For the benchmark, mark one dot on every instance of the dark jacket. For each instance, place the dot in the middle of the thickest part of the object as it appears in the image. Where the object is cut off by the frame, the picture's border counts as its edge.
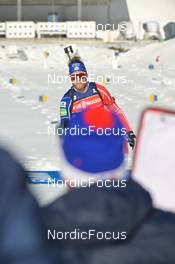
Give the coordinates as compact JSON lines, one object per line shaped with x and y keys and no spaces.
{"x":22,"y":237}
{"x":150,"y":232}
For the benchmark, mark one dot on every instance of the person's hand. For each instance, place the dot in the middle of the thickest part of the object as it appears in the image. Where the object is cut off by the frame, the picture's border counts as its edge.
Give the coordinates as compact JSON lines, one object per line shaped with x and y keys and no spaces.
{"x":131,"y":139}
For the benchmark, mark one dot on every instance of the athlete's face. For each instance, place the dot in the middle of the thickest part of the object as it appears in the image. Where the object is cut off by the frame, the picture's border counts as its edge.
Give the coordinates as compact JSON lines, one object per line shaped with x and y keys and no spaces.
{"x":79,"y":81}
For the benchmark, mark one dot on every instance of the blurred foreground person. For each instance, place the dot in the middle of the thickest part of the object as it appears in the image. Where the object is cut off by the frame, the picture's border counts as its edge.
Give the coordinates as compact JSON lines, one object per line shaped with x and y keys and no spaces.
{"x":110,"y":221}
{"x":22,"y":240}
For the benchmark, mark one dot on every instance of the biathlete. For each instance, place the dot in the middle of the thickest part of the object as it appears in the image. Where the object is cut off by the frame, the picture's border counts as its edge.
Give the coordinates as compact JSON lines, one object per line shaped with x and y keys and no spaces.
{"x":85,"y":94}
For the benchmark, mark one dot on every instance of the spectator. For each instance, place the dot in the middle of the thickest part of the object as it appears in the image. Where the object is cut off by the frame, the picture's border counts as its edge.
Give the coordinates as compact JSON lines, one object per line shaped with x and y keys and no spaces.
{"x":96,"y":225}
{"x":22,"y":236}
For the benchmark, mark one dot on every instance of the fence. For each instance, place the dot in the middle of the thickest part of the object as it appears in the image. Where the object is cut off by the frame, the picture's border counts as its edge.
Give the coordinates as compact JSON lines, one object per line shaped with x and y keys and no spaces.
{"x":20,"y":29}
{"x":83,"y":29}
{"x":2,"y":29}
{"x":77,"y":30}
{"x":51,"y":28}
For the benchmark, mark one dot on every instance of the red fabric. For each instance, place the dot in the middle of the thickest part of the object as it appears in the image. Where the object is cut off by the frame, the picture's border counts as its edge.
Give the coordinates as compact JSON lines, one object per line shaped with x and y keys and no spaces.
{"x":91,"y":117}
{"x":110,"y":103}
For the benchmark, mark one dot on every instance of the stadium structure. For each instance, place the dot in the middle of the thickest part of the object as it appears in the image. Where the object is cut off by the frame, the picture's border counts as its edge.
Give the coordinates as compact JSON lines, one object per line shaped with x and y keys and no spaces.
{"x":143,"y":19}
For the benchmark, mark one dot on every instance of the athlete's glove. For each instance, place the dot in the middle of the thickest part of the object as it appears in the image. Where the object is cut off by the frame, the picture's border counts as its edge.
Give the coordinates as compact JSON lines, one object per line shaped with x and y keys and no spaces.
{"x":131,"y":139}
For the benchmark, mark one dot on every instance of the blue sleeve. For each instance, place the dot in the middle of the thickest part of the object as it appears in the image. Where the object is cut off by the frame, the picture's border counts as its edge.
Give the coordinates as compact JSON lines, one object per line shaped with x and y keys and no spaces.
{"x":65,"y":111}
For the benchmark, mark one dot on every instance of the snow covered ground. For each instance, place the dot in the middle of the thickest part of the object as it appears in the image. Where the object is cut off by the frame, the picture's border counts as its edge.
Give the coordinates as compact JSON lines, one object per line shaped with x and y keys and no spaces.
{"x":25,"y":120}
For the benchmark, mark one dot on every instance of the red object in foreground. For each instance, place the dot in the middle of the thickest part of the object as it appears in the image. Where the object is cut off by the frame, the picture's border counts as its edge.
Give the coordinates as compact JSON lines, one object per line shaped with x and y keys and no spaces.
{"x":99,"y":117}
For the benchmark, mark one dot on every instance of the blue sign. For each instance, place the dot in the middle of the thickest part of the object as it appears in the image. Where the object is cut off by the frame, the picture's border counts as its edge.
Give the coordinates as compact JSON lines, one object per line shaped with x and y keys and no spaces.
{"x":43,"y":177}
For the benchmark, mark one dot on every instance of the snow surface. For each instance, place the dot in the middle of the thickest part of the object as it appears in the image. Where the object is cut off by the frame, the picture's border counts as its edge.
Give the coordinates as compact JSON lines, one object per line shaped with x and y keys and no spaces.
{"x":25,"y":121}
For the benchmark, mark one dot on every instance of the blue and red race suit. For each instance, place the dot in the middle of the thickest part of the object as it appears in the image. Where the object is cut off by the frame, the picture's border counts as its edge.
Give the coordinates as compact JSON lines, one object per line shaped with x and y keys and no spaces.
{"x":96,"y":95}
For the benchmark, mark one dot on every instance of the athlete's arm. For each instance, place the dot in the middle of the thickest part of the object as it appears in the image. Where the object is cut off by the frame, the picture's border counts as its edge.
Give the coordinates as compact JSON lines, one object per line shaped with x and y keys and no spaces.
{"x":109,"y":101}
